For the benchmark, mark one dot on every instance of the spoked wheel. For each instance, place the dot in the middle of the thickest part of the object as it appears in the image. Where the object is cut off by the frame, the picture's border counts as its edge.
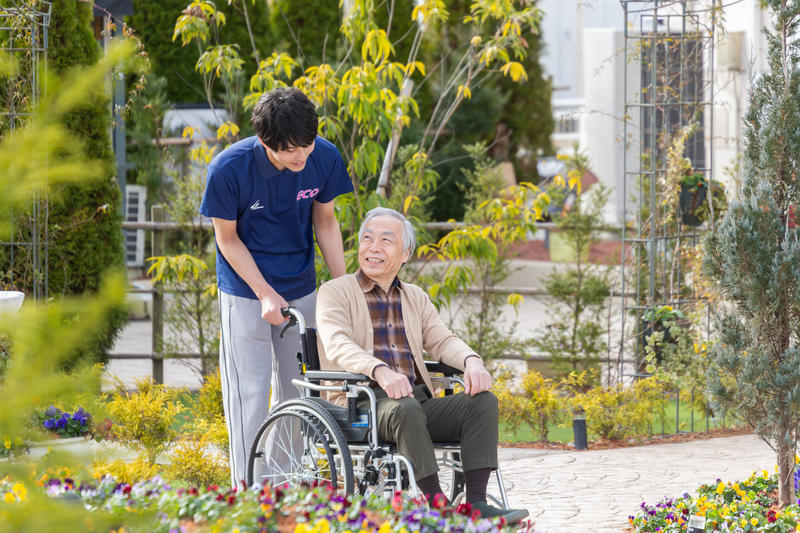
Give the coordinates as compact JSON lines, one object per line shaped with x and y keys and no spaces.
{"x":291,"y":447}
{"x":345,"y":479}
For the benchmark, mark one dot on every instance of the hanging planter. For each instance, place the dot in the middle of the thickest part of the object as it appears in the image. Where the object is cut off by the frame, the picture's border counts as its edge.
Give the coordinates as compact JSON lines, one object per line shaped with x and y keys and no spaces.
{"x":693,"y":202}
{"x":661,"y":319}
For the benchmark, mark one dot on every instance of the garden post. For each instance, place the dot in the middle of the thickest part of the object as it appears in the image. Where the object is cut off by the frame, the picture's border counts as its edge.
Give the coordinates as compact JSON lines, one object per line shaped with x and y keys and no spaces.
{"x":579,"y":429}
{"x":157,"y":249}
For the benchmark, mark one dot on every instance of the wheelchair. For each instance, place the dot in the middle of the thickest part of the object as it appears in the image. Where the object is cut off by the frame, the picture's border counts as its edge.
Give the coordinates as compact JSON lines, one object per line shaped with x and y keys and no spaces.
{"x":308,"y":439}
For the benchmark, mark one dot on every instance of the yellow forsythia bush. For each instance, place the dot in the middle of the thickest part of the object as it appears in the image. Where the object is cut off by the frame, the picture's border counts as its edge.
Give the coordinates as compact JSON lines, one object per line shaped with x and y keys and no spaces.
{"x":139,"y":469}
{"x":143,"y":420}
{"x":209,"y":417}
{"x":534,"y":401}
{"x":620,"y":412}
{"x":192,"y":461}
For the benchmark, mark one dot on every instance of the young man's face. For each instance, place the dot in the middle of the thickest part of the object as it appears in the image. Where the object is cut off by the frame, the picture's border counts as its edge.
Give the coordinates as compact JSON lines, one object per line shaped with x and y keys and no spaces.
{"x":293,"y":157}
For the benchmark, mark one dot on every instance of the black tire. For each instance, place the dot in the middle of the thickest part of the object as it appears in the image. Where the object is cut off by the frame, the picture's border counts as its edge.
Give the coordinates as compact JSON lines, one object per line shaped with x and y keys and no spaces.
{"x":316,"y":463}
{"x":334,"y":436}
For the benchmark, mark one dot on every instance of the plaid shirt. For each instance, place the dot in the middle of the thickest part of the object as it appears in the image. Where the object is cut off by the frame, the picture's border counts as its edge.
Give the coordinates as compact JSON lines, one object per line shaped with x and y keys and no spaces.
{"x":389,"y":333}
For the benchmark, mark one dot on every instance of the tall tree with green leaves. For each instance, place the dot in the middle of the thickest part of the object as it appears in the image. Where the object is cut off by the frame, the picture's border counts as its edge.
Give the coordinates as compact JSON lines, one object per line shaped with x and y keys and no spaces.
{"x":753,"y":260}
{"x":154,"y":22}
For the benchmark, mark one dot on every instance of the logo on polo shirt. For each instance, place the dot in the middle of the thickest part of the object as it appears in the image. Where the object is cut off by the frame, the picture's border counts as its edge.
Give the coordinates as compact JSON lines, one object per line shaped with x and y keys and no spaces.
{"x":308,"y":193}
{"x":256,"y":205}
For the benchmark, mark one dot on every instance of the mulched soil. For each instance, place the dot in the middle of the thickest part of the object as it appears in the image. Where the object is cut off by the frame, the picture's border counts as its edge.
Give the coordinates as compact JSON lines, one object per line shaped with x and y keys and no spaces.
{"x":602,"y":444}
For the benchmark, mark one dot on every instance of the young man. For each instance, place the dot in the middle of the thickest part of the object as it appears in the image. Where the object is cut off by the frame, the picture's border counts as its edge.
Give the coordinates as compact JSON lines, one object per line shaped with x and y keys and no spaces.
{"x":372,"y":323}
{"x":267,"y":196}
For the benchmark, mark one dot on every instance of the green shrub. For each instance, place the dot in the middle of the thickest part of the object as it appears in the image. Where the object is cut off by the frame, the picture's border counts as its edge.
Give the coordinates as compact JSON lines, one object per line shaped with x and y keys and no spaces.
{"x":83,"y":221}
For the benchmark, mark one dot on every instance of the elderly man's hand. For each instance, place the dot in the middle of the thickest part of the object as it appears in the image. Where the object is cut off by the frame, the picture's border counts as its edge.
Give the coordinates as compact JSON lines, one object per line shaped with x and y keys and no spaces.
{"x":396,"y":385}
{"x":476,"y":378}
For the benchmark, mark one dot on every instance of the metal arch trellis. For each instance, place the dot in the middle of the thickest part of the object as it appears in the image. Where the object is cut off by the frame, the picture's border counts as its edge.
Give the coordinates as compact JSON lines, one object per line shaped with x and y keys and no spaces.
{"x":23,"y":40}
{"x":669,"y":88}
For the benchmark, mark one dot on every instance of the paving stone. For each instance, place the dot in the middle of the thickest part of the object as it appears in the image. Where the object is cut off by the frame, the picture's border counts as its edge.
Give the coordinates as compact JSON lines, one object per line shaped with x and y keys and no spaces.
{"x":596,"y":491}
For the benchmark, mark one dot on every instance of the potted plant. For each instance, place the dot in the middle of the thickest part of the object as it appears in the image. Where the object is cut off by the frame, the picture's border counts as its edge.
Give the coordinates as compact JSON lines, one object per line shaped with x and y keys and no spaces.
{"x":661,"y":319}
{"x":693,"y":201}
{"x":69,"y":431}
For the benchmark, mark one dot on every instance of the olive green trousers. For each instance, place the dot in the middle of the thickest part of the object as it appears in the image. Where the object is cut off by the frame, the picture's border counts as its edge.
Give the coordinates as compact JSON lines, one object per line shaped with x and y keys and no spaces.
{"x":415,"y":422}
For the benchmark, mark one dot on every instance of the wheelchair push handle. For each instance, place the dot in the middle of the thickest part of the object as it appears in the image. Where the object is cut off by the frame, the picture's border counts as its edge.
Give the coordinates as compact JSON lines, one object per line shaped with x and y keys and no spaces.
{"x":295,"y":319}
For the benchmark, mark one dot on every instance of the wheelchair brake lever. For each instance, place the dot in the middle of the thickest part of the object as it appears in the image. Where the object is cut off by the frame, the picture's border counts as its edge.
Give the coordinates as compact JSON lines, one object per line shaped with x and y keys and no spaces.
{"x":292,"y":322}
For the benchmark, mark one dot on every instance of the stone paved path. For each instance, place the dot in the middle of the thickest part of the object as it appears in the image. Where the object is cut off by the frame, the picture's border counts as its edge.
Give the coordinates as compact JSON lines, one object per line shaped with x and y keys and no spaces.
{"x":596,"y":491}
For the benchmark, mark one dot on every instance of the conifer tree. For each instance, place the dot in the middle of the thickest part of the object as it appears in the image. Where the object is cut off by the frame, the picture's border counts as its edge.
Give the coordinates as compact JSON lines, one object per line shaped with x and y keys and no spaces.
{"x":753,"y":260}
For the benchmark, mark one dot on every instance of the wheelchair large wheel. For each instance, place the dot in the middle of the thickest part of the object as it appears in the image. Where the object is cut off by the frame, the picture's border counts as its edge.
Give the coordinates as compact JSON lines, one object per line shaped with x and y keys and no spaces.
{"x":276,"y":456}
{"x":324,"y":455}
{"x":334,"y":436}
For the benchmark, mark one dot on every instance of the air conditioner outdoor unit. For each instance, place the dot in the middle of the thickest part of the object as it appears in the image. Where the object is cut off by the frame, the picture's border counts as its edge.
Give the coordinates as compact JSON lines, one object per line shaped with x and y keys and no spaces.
{"x":136,"y":196}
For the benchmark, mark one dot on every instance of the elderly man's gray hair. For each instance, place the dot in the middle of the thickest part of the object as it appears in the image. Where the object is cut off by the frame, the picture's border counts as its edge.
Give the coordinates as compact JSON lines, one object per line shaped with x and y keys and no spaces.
{"x":409,"y":237}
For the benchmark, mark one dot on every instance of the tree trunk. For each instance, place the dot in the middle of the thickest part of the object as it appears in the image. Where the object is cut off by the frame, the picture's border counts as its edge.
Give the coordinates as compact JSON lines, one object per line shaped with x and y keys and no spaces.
{"x":786,"y":493}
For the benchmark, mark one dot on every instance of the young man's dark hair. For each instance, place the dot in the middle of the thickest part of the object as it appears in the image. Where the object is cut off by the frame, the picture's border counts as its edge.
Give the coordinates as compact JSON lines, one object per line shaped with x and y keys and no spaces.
{"x":284,"y":118}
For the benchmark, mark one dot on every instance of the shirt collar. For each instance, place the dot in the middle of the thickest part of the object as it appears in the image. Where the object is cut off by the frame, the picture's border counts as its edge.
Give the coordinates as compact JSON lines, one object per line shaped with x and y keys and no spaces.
{"x":367,"y":284}
{"x":264,"y":165}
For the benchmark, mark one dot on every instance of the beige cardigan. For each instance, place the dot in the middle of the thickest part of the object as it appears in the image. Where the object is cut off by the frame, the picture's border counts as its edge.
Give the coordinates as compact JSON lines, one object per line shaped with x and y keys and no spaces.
{"x":344,"y":331}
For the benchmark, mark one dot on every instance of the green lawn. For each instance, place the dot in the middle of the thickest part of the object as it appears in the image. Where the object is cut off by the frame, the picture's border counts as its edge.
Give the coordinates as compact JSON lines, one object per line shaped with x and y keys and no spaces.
{"x":564,"y":434}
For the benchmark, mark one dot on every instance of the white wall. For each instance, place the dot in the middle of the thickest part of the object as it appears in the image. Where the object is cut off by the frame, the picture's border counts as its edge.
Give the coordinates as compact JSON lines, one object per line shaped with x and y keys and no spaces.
{"x":602,"y":127}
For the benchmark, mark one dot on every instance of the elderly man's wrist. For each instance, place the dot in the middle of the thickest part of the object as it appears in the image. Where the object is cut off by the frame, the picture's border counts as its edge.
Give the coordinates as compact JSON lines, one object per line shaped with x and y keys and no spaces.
{"x":375,"y":370}
{"x":473,"y":356}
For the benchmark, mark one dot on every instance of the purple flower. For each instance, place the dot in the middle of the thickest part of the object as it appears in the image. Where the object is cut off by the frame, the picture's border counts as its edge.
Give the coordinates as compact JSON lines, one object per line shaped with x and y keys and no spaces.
{"x":49,"y":424}
{"x":83,"y":421}
{"x":51,"y":411}
{"x":61,"y":423}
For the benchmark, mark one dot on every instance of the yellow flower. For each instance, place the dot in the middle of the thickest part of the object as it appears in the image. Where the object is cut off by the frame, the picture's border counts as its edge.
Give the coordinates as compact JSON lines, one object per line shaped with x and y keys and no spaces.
{"x":720,"y":488}
{"x":754,"y":521}
{"x":9,"y":497}
{"x":20,"y":491}
{"x":386,"y":527}
{"x":733,"y":508}
{"x":764,"y":473}
{"x":8,"y":443}
{"x":303,"y":528}
{"x":744,"y":522}
{"x":322,"y":526}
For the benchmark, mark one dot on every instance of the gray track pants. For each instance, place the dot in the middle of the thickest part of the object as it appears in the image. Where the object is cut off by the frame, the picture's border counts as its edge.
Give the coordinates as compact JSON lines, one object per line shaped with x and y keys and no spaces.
{"x":250,"y":348}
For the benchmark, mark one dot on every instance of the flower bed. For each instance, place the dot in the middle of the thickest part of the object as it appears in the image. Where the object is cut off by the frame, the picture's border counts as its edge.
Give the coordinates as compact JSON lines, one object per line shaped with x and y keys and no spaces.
{"x":748,"y":506}
{"x":310,"y":509}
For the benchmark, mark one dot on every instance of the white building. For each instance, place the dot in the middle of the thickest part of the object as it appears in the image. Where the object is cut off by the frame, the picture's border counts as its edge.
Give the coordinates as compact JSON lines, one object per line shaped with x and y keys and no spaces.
{"x":584,"y":55}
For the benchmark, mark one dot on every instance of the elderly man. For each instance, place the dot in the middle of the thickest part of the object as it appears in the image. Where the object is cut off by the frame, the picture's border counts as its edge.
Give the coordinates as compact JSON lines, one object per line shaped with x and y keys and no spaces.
{"x":372,"y":323}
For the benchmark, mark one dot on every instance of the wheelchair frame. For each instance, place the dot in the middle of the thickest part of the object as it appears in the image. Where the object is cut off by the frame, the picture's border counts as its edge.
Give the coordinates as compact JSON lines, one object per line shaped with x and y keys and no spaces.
{"x":352,"y":463}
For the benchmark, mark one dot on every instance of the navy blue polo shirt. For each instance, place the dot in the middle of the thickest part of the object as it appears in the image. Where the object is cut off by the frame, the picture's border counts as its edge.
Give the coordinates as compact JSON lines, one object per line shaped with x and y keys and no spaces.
{"x":272,"y":210}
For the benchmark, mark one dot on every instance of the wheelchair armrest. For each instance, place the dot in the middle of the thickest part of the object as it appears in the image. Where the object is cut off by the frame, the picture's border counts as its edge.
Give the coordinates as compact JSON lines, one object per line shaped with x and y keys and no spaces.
{"x":441,"y":368}
{"x":318,"y":375}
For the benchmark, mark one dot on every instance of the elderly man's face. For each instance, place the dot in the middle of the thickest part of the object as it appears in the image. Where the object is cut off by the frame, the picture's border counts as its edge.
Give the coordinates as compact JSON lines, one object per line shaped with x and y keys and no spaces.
{"x":380,"y":252}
